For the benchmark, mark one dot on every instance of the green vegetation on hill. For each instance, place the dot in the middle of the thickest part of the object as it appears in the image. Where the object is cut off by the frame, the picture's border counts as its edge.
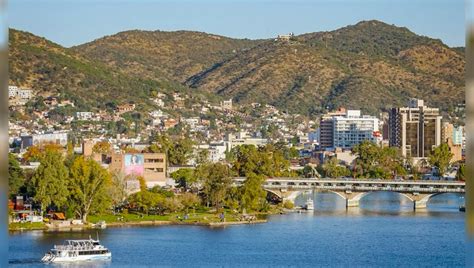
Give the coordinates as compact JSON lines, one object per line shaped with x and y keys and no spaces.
{"x":50,"y":69}
{"x":158,"y":54}
{"x":371,"y":65}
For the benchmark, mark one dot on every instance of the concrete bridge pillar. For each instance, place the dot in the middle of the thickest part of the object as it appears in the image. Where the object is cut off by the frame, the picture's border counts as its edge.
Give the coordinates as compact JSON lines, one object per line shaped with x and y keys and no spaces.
{"x":352,"y":198}
{"x":420,"y":201}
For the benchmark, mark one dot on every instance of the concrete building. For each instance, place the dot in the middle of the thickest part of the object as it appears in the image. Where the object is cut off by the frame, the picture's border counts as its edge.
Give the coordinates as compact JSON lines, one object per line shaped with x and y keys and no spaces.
{"x":353,"y":128}
{"x":12,"y":91}
{"x":216,"y":151}
{"x":85,"y":116}
{"x":151,"y":166}
{"x":284,"y":37}
{"x":452,"y":136}
{"x":326,"y":129}
{"x":124,"y":108}
{"x":37,"y":139}
{"x":227,"y":104}
{"x":241,"y":138}
{"x":415,"y":129}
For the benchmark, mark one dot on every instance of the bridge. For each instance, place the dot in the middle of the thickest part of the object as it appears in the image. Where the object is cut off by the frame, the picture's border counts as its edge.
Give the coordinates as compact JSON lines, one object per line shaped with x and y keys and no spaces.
{"x":419,"y":191}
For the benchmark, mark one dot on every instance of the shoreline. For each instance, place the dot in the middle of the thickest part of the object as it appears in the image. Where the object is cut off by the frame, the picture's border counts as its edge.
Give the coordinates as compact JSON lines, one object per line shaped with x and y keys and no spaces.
{"x":137,"y":223}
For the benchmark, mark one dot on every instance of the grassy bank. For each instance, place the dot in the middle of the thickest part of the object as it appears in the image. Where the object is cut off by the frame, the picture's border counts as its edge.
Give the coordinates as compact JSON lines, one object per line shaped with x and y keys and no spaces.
{"x":197,"y":218}
{"x":26,"y":226}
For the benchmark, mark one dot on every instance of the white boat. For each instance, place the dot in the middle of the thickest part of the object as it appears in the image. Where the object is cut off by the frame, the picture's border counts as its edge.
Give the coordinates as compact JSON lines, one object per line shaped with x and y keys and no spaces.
{"x":77,"y":250}
{"x":309,"y":205}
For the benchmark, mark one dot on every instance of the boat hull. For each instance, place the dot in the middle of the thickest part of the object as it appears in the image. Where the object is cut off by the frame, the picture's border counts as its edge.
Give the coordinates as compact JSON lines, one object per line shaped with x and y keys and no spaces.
{"x":101,"y":257}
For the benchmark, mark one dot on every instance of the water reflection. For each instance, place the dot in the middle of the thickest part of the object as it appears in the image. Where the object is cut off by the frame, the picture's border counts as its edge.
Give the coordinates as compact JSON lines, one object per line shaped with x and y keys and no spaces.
{"x":383,"y":203}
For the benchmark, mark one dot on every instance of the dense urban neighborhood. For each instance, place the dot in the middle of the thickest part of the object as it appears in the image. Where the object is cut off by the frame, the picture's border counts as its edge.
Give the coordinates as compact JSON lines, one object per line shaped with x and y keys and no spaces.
{"x":184,"y":153}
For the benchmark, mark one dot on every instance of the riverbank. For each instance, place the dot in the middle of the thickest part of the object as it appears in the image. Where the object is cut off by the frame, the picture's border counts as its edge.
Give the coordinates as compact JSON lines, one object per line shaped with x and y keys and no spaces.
{"x":129,"y":220}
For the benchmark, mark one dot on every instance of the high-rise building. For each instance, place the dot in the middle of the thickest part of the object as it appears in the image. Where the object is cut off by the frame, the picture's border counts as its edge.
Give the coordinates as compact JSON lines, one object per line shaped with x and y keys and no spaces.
{"x":326,"y":129}
{"x":415,"y":129}
{"x":346,"y":128}
{"x":353,"y":128}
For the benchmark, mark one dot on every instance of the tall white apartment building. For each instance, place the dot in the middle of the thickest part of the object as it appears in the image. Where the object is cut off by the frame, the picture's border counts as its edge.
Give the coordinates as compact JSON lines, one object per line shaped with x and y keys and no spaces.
{"x":353,"y":128}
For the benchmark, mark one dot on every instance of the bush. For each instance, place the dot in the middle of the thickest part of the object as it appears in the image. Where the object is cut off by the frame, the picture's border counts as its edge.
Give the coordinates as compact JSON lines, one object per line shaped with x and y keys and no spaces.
{"x":288,"y":204}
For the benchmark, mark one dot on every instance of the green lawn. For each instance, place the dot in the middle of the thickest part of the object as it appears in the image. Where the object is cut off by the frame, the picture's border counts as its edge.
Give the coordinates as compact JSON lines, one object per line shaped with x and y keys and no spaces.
{"x":16,"y":226}
{"x":201,"y":217}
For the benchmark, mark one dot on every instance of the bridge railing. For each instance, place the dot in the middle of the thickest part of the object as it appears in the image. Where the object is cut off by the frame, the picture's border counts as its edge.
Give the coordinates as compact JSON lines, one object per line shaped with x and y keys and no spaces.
{"x":374,"y":188}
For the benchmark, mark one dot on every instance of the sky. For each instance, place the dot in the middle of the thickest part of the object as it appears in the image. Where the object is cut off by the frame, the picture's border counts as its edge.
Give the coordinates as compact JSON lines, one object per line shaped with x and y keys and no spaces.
{"x":70,"y":23}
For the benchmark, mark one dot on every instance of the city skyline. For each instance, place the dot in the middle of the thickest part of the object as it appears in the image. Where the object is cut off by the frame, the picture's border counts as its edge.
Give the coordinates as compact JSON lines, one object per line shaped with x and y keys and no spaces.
{"x":237,"y":19}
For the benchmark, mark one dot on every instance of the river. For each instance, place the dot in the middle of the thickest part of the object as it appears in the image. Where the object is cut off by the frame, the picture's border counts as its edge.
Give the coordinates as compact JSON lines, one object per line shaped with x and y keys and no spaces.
{"x":383,"y":231}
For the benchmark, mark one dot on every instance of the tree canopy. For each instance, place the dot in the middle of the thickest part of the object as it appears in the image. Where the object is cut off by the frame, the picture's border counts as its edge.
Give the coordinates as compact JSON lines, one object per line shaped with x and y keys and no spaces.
{"x":440,"y":158}
{"x":88,"y":187}
{"x":50,"y":180}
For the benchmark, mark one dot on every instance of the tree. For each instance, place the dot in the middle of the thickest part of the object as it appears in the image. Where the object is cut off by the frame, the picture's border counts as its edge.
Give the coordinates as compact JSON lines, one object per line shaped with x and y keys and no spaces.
{"x":16,"y":178}
{"x":35,"y":152}
{"x":461,"y":174}
{"x":143,"y":186}
{"x":202,"y":157}
{"x":88,"y":186}
{"x":253,"y":195}
{"x":50,"y":180}
{"x":117,"y":190}
{"x":376,"y":162}
{"x":332,"y":168}
{"x":288,"y":204}
{"x":216,"y":183}
{"x":367,"y":155}
{"x":146,"y":200}
{"x":184,"y":177}
{"x":181,"y":152}
{"x":189,"y":200}
{"x":440,"y":158}
{"x":267,"y":160}
{"x":101,"y":147}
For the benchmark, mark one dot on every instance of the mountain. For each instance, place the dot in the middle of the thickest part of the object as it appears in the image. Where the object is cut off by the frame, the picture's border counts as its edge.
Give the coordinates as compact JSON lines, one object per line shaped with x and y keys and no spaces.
{"x":370,"y":65}
{"x":158,"y":54}
{"x":50,"y":69}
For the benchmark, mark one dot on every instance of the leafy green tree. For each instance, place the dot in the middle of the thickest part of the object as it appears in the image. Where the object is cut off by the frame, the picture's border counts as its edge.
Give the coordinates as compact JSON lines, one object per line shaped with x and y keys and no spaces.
{"x":233,"y":198}
{"x":288,"y":204}
{"x":202,"y":157}
{"x":376,"y":162}
{"x":332,"y":169}
{"x":461,"y":174}
{"x":440,"y":158}
{"x":146,"y":200}
{"x":367,"y":154}
{"x":245,"y":159}
{"x":184,"y":177}
{"x":171,"y":205}
{"x":267,"y":160}
{"x":88,"y":187}
{"x":50,"y":181}
{"x":16,"y":178}
{"x":117,"y":189}
{"x":309,"y":171}
{"x":181,"y":152}
{"x":160,"y":190}
{"x":189,"y":200}
{"x":253,"y":195}
{"x":216,"y":184}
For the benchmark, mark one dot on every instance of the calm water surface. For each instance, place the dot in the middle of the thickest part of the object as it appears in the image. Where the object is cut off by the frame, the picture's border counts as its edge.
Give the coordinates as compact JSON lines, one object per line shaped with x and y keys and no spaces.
{"x":384,"y":231}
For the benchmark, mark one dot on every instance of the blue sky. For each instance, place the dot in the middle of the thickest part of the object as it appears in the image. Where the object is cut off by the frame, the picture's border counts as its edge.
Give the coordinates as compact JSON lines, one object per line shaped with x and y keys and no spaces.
{"x":69,"y":22}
